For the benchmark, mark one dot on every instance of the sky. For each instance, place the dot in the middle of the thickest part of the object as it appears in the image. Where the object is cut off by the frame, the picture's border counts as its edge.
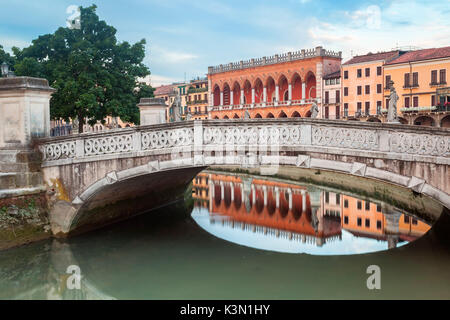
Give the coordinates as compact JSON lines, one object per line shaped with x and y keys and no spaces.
{"x":185,"y":37}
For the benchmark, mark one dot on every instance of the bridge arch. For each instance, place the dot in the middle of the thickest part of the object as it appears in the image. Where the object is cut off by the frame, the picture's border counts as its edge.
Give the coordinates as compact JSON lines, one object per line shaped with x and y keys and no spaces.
{"x":445,"y":122}
{"x":424,"y":121}
{"x":91,"y":178}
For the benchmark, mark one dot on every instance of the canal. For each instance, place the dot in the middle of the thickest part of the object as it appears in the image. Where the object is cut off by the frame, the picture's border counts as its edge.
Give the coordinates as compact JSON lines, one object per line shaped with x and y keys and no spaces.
{"x":238,"y":236}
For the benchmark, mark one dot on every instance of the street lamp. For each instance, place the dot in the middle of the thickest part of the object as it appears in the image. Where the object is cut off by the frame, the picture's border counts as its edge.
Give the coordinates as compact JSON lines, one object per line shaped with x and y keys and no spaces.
{"x":5,"y":69}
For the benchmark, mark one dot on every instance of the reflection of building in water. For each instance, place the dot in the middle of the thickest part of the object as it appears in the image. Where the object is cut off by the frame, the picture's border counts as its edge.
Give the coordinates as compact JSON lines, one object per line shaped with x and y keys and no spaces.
{"x":299,"y":213}
{"x":200,"y":190}
{"x":371,"y":220}
{"x":271,"y":207}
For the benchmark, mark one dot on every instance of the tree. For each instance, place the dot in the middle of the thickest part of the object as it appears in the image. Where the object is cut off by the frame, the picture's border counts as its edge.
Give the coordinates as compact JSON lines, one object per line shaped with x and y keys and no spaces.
{"x":6,"y":57}
{"x":94,"y":75}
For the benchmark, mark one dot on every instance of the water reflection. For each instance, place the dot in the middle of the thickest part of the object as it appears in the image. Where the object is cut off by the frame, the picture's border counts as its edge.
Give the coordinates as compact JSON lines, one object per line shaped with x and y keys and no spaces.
{"x":279,"y":216}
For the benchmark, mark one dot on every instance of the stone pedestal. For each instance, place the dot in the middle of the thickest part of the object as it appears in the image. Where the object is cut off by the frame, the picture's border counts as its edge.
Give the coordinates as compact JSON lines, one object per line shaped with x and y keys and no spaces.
{"x":24,"y":111}
{"x":152,"y":111}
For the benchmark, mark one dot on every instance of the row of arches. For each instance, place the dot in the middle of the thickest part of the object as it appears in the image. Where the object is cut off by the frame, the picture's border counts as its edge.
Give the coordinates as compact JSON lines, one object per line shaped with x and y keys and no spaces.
{"x":283,"y":89}
{"x":268,"y":115}
{"x":421,"y":121}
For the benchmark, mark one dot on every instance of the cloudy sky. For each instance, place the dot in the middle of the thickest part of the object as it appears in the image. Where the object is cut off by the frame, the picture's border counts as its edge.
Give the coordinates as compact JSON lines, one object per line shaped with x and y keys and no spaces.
{"x":185,"y":37}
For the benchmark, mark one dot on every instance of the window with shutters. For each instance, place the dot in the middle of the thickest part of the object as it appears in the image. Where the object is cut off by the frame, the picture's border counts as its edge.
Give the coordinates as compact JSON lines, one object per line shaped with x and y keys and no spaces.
{"x":433,"y":100}
{"x":379,"y":71}
{"x":407,"y":102}
{"x":379,"y":88}
{"x":367,"y":72}
{"x":367,"y":107}
{"x":359,"y":90}
{"x":326,"y":97}
{"x":406,"y":82}
{"x":359,"y":73}
{"x":346,"y":91}
{"x":388,"y":79}
{"x":378,"y":107}
{"x":358,"y":107}
{"x":415,"y":102}
{"x":434,"y":77}
{"x":415,"y":79}
{"x":346,"y":74}
{"x":442,"y":76}
{"x":338,"y":96}
{"x":368,"y":89}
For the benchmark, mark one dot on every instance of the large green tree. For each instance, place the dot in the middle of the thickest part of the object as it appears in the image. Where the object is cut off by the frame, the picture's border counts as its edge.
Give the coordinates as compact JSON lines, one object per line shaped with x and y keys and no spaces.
{"x":6,"y":57}
{"x":94,"y":75}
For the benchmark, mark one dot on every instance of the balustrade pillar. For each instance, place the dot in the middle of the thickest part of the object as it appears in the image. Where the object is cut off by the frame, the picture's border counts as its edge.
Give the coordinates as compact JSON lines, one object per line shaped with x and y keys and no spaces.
{"x":253,"y":195}
{"x":265,"y":196}
{"x":290,"y":198}
{"x":232,"y":191}
{"x":303,"y":91}
{"x":303,"y":201}
{"x":277,"y":197}
{"x":265,"y":95}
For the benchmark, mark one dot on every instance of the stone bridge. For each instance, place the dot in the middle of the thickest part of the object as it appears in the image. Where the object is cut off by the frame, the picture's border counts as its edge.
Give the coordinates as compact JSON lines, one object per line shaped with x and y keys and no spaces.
{"x":93,"y":178}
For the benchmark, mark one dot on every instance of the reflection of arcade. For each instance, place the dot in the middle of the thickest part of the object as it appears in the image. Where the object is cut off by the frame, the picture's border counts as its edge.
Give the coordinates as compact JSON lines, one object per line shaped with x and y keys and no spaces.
{"x":299,"y":213}
{"x":283,"y":209}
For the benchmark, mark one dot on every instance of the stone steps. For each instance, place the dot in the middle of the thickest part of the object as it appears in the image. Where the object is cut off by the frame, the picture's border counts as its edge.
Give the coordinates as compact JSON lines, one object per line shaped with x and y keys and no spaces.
{"x":17,"y":180}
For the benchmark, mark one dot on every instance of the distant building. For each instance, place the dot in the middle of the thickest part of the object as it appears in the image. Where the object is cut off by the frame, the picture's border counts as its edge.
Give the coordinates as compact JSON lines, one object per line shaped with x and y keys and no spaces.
{"x":280,"y":86}
{"x":331,"y":106}
{"x":362,"y":85}
{"x":197,"y":99}
{"x":421,"y":80}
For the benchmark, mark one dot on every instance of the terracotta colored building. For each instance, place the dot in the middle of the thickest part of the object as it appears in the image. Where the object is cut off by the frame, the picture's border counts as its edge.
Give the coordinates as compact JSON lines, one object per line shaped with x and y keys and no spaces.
{"x":362,"y":85}
{"x":421,"y":80}
{"x":270,"y":87}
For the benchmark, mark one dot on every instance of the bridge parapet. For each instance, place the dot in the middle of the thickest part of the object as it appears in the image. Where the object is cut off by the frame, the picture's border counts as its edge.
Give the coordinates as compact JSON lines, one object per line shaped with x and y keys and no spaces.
{"x":259,"y":137}
{"x":94,"y":170}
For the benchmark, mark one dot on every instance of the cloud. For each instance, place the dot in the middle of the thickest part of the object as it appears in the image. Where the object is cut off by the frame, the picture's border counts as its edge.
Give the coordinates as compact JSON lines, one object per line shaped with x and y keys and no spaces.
{"x":158,"y":80}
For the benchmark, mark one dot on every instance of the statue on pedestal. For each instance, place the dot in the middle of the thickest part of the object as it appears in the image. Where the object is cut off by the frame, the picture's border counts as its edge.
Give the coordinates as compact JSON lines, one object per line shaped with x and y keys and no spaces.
{"x":176,"y":105}
{"x":314,"y":110}
{"x":392,"y":108}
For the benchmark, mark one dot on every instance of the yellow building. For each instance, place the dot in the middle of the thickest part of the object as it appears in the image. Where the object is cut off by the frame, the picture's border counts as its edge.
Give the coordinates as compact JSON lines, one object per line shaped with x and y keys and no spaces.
{"x":362,"y":85}
{"x":421,"y":80}
{"x":197,"y":99}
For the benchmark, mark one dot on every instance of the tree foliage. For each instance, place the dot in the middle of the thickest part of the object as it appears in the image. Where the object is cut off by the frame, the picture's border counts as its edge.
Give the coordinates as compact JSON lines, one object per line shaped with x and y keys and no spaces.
{"x":94,"y":75}
{"x":6,"y":57}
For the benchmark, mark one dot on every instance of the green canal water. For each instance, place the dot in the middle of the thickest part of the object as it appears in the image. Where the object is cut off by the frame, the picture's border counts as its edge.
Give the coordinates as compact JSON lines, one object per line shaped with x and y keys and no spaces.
{"x":243,"y":238}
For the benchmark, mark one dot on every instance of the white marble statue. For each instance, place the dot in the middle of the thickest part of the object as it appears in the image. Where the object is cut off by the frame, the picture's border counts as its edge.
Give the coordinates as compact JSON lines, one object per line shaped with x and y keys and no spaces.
{"x":392,"y":108}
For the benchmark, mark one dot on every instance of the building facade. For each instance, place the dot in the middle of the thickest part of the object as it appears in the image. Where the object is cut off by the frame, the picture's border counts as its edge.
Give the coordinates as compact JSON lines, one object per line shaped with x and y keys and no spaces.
{"x":421,"y":80}
{"x":197,"y":99}
{"x":279,"y":86}
{"x":362,"y":86}
{"x":332,"y":96}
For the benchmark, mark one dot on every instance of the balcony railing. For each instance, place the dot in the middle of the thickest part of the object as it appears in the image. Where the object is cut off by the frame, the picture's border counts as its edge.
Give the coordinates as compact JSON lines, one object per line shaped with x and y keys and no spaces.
{"x":197,"y":102}
{"x":332,"y":101}
{"x":264,"y":105}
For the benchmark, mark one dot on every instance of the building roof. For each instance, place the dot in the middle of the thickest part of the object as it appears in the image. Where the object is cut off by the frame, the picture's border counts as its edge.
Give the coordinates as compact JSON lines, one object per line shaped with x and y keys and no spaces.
{"x":163,"y":90}
{"x":333,"y":75}
{"x":424,"y":54}
{"x":374,"y":57}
